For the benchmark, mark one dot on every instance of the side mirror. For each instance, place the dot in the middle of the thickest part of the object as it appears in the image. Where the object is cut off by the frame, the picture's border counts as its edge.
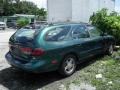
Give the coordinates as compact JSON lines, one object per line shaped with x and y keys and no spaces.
{"x":103,"y":34}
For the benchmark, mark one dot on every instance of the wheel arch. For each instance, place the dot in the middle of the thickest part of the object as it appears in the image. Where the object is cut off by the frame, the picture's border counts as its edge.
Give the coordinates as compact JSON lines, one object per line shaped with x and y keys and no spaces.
{"x":72,"y":53}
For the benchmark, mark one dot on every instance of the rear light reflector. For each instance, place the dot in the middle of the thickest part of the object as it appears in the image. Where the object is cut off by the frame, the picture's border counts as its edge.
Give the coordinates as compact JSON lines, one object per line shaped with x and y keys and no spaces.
{"x":54,"y":62}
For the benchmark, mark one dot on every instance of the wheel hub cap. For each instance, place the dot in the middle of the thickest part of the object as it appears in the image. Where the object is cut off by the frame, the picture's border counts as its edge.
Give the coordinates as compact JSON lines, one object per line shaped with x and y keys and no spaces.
{"x":70,"y":64}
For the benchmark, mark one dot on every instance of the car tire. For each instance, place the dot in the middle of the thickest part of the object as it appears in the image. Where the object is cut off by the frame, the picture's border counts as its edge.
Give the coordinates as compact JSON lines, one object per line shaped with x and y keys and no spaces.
{"x":110,"y":49}
{"x":68,"y":65}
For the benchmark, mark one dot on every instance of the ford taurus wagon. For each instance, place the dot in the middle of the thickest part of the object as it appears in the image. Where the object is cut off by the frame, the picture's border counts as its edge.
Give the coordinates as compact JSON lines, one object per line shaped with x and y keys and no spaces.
{"x":57,"y":47}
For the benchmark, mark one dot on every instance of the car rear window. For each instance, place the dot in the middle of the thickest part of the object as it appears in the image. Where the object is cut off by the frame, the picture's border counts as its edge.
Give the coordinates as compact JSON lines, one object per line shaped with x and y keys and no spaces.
{"x":25,"y":33}
{"x":35,"y":27}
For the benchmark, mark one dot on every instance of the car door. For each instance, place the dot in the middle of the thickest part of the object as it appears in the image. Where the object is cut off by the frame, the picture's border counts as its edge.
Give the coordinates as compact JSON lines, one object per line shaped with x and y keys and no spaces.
{"x":96,"y":38}
{"x":82,"y":41}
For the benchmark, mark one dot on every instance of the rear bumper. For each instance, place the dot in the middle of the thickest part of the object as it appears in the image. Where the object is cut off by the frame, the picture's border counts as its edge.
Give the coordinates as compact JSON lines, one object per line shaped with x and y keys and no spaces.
{"x":35,"y":66}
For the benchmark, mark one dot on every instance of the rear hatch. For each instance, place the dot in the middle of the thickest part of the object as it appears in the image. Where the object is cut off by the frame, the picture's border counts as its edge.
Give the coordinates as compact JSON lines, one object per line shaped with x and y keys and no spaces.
{"x":22,"y":40}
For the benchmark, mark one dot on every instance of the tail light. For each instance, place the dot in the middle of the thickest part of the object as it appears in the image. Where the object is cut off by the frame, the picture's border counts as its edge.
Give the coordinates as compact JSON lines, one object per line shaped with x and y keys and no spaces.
{"x":27,"y":51}
{"x":33,"y":52}
{"x":37,"y":52}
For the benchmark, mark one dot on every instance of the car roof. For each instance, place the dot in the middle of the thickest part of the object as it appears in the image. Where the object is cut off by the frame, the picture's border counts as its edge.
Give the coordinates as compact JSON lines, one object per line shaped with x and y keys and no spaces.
{"x":69,"y":23}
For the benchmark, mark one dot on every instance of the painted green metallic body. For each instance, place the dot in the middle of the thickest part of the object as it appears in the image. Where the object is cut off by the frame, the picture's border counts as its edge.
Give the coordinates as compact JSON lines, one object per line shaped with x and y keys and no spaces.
{"x":56,"y":50}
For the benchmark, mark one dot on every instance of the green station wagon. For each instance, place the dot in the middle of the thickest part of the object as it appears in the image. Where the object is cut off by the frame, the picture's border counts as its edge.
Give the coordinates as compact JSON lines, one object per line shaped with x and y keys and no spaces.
{"x":57,"y":47}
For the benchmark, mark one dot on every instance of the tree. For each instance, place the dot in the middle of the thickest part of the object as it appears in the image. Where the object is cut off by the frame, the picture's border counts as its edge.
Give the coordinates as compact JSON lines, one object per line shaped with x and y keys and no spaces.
{"x":1,"y":7}
{"x":11,"y":7}
{"x":41,"y":14}
{"x":97,"y":18}
{"x":22,"y":22}
{"x":109,"y":23}
{"x":114,"y":13}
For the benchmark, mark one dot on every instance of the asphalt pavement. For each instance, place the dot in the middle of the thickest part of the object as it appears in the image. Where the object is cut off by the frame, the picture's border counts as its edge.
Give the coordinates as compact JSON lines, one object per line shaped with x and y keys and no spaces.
{"x":4,"y":47}
{"x":5,"y":35}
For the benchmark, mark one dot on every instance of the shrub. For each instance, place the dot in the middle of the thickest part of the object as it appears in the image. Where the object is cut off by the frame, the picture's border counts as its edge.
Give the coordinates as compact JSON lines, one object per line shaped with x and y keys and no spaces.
{"x":22,"y":22}
{"x":109,"y":23}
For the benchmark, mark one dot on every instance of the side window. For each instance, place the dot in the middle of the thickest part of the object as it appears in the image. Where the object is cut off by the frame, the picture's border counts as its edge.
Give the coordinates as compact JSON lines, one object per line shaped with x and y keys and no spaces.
{"x":58,"y":33}
{"x":94,"y":32}
{"x":79,"y":31}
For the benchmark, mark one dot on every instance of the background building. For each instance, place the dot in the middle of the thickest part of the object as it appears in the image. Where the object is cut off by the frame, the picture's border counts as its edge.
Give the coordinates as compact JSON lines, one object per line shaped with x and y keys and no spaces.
{"x":76,"y":10}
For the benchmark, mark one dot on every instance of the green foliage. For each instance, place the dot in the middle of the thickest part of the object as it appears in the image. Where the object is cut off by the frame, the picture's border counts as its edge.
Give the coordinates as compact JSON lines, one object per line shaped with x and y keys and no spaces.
{"x":41,"y":14}
{"x":98,"y":18}
{"x":109,"y":23}
{"x":22,"y":22}
{"x":11,"y":7}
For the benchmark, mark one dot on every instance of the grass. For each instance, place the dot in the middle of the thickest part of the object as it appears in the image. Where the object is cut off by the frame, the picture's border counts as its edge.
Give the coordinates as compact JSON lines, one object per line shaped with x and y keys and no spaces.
{"x":109,"y":67}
